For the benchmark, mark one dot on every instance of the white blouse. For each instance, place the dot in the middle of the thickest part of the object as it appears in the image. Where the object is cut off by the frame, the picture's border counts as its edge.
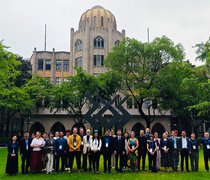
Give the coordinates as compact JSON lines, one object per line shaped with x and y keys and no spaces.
{"x":36,"y":141}
{"x":95,"y":144}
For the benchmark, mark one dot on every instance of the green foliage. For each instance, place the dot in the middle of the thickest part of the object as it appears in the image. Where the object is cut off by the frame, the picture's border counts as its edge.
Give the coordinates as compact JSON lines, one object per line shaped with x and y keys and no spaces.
{"x":13,"y":99}
{"x":110,"y":83}
{"x":139,"y":65}
{"x":40,"y":91}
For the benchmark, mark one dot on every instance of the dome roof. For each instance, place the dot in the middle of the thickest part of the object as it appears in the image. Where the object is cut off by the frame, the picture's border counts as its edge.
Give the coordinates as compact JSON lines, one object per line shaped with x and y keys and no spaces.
{"x":97,"y":17}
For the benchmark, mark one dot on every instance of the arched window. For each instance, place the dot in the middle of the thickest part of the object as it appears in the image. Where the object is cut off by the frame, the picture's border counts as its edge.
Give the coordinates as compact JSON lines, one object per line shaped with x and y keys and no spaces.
{"x":137,"y":127}
{"x":58,"y":127}
{"x":94,"y":21}
{"x":37,"y":127}
{"x":99,"y":42}
{"x":102,"y":21}
{"x":78,"y":45}
{"x":159,"y":128}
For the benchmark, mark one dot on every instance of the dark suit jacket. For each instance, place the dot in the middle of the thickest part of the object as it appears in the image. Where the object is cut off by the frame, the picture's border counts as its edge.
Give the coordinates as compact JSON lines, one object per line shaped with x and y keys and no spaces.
{"x":59,"y":142}
{"x":23,"y":145}
{"x":188,"y":144}
{"x":205,"y":142}
{"x":171,"y":141}
{"x":110,"y":148}
{"x":142,"y":144}
{"x":119,"y":144}
{"x":194,"y":143}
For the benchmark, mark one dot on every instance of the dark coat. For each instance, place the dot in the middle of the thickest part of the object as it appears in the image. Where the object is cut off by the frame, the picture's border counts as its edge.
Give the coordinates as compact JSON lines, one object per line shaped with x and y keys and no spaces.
{"x":12,"y":161}
{"x":119,"y":144}
{"x":59,"y":142}
{"x":142,"y":144}
{"x":180,"y":144}
{"x":111,"y":147}
{"x":23,"y":146}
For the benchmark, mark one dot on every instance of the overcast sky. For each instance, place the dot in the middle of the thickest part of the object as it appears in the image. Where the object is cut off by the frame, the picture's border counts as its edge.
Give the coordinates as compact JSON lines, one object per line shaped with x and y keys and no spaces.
{"x":22,"y":21}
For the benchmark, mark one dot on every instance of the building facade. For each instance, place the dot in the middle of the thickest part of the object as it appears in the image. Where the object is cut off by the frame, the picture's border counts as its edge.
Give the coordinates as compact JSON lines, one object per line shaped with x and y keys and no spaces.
{"x":97,"y":34}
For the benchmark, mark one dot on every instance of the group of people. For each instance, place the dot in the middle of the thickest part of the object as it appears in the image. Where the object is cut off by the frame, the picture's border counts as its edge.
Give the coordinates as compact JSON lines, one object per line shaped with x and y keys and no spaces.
{"x":44,"y":152}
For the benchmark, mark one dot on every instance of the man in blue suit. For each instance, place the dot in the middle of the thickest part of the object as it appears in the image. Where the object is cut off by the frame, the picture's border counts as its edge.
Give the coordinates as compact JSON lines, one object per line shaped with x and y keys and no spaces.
{"x":61,"y":147}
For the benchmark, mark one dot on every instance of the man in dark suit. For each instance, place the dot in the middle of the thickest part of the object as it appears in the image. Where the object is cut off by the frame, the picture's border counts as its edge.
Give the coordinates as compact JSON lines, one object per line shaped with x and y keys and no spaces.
{"x":25,"y":152}
{"x":194,"y":156}
{"x":107,"y":149}
{"x":174,"y":154}
{"x":119,"y":142}
{"x":142,"y":149}
{"x":206,"y":149}
{"x":185,"y":150}
{"x":60,"y":150}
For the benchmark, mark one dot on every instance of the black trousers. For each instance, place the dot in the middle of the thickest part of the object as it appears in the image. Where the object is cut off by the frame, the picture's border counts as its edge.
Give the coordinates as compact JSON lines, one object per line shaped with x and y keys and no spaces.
{"x":25,"y":162}
{"x":107,"y":161}
{"x":87,"y":157}
{"x":60,"y":155}
{"x":118,"y":156}
{"x":76,"y":154}
{"x":95,"y":159}
{"x":67,"y":161}
{"x":81,"y":157}
{"x":125,"y":160}
{"x":141,"y":155}
{"x":206,"y":158}
{"x":184,"y":157}
{"x":152,"y":161}
{"x":194,"y":159}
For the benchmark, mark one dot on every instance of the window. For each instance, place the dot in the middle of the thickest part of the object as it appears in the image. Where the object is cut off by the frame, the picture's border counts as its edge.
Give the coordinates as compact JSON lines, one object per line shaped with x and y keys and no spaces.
{"x":57,"y":80}
{"x":98,"y":42}
{"x":94,"y":22}
{"x":58,"y":65}
{"x":40,"y":64}
{"x":98,"y":60}
{"x":78,"y":45}
{"x":47,"y":64}
{"x":102,"y":21}
{"x":78,"y":62}
{"x":66,"y":65}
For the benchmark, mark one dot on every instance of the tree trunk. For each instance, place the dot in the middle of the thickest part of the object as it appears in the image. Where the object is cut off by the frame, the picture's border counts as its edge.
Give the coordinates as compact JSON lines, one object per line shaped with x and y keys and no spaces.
{"x":141,"y":112}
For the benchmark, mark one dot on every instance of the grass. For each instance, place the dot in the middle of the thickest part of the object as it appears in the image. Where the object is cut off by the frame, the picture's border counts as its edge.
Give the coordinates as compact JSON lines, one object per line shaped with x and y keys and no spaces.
{"x":202,"y":174}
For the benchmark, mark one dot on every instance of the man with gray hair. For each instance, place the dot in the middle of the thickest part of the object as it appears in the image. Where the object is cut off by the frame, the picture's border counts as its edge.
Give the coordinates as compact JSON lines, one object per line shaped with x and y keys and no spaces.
{"x":86,"y":150}
{"x":206,"y":149}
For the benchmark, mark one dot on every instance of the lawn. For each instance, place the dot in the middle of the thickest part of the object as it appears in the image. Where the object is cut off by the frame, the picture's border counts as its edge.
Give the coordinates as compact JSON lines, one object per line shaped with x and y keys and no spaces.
{"x":202,"y":174}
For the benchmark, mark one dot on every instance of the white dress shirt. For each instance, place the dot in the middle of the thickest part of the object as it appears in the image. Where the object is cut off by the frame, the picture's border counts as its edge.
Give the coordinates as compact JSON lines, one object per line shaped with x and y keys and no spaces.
{"x":184,"y":143}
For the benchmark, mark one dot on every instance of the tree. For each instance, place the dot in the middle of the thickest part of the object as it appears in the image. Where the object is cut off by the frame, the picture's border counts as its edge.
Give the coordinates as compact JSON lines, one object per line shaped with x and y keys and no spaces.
{"x":40,"y":91}
{"x":203,"y":104}
{"x":70,"y":96}
{"x":139,"y":65}
{"x":24,"y":69}
{"x":110,"y":83}
{"x":12,"y":98}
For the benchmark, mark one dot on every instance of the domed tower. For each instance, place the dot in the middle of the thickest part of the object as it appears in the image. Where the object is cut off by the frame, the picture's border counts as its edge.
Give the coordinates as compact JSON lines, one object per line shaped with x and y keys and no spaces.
{"x":96,"y":36}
